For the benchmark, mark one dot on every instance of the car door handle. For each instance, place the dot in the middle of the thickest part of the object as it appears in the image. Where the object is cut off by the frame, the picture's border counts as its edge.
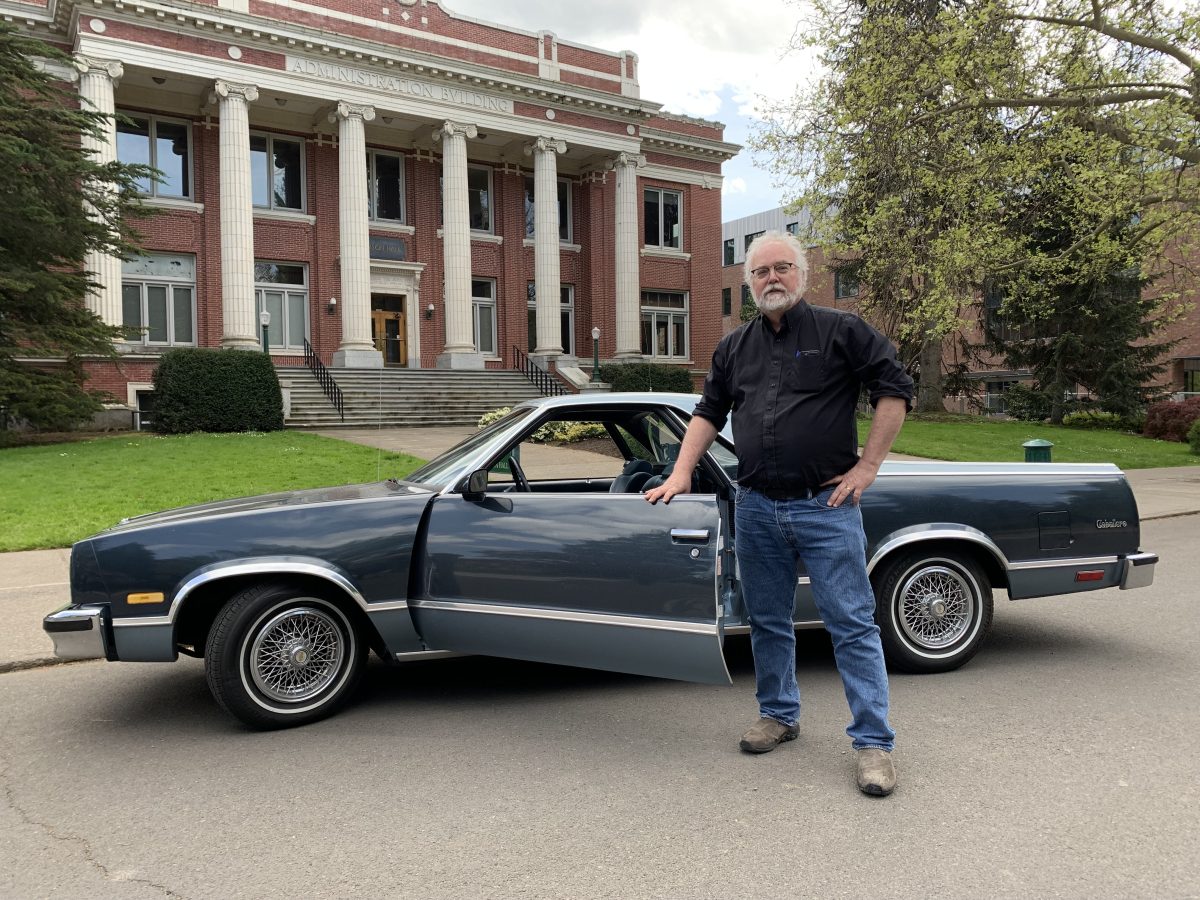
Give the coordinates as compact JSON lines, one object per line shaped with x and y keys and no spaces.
{"x":690,"y":535}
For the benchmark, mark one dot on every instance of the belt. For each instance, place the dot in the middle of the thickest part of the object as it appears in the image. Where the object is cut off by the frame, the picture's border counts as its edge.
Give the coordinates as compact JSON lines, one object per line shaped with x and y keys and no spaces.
{"x":789,"y":493}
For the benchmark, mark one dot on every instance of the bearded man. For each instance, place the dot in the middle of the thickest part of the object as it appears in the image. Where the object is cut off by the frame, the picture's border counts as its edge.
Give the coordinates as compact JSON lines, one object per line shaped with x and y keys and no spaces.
{"x":792,"y":378}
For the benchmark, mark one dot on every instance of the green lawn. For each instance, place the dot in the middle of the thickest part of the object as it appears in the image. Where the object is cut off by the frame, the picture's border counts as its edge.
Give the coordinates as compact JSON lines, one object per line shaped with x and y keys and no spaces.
{"x":977,"y":439}
{"x":54,"y":494}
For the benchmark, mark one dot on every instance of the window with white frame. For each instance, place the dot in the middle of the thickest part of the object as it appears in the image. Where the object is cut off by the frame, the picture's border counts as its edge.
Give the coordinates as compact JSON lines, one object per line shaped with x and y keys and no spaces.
{"x":665,"y":324}
{"x":564,"y":209}
{"x":164,"y":144}
{"x":277,"y":171}
{"x":282,"y":290}
{"x":385,"y":186}
{"x":566,"y":294}
{"x":483,"y":315}
{"x":158,"y":299}
{"x":663,"y":218}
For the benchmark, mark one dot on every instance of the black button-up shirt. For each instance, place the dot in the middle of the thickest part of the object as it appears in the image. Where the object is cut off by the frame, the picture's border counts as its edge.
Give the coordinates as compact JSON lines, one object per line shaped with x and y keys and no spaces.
{"x":793,"y":393}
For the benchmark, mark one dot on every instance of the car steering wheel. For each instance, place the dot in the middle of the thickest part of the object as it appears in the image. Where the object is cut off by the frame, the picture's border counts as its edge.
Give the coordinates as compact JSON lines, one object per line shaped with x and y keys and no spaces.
{"x":518,"y":475}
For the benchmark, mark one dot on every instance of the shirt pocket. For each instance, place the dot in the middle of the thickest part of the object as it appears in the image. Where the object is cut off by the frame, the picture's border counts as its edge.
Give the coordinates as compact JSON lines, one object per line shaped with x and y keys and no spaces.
{"x":806,"y":371}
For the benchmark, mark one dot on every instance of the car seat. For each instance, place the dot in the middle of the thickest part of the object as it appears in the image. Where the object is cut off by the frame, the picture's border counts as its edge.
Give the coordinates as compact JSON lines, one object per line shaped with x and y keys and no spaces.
{"x":633,"y":476}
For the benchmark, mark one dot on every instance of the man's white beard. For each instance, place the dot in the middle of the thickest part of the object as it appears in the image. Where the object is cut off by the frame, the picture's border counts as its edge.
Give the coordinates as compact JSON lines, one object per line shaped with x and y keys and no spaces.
{"x":773,"y":299}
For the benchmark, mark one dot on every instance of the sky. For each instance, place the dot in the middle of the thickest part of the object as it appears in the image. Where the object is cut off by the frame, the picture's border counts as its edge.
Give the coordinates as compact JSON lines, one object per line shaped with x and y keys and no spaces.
{"x":715,"y":59}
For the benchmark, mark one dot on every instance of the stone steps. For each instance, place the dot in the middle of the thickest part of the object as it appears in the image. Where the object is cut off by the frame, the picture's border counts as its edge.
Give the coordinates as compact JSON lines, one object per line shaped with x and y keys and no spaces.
{"x":397,"y":398}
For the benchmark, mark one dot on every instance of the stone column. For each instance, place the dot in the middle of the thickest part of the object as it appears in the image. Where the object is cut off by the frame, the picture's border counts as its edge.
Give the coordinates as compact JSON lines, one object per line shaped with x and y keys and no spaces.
{"x":356,"y":349}
{"x":97,"y":84}
{"x":240,"y":318}
{"x":628,"y":277}
{"x":547,"y":280}
{"x":459,"y":352}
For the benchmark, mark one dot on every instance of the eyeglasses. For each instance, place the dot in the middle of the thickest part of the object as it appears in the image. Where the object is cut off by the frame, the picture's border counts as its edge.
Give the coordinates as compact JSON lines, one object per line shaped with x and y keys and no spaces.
{"x":780,"y":269}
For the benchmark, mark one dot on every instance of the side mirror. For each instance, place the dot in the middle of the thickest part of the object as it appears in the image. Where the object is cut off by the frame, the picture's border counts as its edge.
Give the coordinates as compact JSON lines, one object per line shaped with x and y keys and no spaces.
{"x":475,"y":488}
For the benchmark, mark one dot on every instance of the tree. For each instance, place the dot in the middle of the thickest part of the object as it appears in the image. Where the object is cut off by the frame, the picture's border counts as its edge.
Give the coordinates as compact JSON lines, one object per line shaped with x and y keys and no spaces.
{"x":48,"y":183}
{"x":910,"y":205}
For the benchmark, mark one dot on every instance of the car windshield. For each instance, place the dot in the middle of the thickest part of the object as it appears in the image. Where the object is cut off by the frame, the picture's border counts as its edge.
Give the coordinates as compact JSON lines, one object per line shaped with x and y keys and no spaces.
{"x":439,"y":471}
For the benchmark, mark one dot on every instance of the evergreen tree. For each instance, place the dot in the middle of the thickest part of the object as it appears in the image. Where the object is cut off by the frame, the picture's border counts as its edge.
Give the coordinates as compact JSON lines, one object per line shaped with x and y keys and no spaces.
{"x":48,"y":183}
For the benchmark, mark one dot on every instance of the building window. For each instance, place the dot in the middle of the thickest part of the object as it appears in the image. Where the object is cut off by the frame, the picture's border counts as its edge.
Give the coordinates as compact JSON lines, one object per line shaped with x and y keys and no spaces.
{"x":793,"y":228}
{"x":163,"y":144}
{"x":1191,"y":376}
{"x":385,"y":186}
{"x":746,"y":296}
{"x":845,"y":285}
{"x":282,"y":290}
{"x":483,"y":315}
{"x":727,"y":252}
{"x":665,"y":324}
{"x":564,"y":209}
{"x":749,"y":239}
{"x":726,"y":301}
{"x":664,"y":218}
{"x":277,"y":172}
{"x":479,"y":197}
{"x":566,"y":295}
{"x":158,"y":299}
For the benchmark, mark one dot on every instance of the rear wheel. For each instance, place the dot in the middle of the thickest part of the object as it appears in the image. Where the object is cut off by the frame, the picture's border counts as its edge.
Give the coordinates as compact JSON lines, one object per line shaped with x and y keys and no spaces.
{"x":933,"y":610}
{"x":279,"y":656}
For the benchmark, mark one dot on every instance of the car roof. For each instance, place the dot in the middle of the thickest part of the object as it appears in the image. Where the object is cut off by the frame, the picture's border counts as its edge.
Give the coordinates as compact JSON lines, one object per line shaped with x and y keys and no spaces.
{"x":685,"y":403}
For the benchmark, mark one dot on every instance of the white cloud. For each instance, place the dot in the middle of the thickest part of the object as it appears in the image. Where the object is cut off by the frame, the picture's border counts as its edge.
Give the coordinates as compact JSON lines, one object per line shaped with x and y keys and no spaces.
{"x":734,"y":185}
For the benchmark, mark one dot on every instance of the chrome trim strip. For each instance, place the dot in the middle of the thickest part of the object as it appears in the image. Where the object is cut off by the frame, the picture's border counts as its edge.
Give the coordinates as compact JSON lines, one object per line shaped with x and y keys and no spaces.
{"x":1044,"y":470}
{"x":1077,"y":562}
{"x":418,"y":655}
{"x":132,"y":622}
{"x":554,"y":615}
{"x":390,"y":606}
{"x":805,"y":625}
{"x":932,"y":531}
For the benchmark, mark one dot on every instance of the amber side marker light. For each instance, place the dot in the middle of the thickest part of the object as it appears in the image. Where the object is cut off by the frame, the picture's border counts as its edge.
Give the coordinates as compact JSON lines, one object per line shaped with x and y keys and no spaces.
{"x":135,"y":599}
{"x":1090,"y":575}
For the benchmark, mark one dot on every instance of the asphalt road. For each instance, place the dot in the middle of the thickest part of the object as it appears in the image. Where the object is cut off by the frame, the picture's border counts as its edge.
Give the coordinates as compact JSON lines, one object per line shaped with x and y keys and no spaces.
{"x":1061,"y":762}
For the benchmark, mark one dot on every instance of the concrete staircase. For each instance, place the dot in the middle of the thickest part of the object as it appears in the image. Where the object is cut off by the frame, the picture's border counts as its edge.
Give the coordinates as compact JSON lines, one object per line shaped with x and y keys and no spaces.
{"x":394,"y":398}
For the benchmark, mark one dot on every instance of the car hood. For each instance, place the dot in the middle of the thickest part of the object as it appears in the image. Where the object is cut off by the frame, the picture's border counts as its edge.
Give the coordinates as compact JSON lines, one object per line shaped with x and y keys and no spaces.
{"x":264,"y":502}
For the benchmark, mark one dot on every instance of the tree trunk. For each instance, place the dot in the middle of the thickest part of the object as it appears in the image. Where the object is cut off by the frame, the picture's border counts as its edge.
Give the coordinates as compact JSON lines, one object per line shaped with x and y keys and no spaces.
{"x":929,"y":390}
{"x":1057,"y":391}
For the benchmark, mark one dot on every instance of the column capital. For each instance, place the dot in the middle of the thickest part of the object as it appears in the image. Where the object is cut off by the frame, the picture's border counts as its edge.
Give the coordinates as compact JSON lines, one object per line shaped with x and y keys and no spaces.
{"x":622,"y":160}
{"x":346,"y":110}
{"x":453,"y":129}
{"x":223,"y":90}
{"x":545,"y":145}
{"x":90,"y":65}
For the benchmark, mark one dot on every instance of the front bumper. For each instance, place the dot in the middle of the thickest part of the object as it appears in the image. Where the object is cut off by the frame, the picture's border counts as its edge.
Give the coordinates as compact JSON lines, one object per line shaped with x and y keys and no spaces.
{"x":1138,"y":571}
{"x":77,"y":632}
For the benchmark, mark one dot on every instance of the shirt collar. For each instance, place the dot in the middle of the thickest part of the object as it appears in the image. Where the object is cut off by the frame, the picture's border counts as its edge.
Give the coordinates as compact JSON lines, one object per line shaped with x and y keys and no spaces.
{"x":792,"y":319}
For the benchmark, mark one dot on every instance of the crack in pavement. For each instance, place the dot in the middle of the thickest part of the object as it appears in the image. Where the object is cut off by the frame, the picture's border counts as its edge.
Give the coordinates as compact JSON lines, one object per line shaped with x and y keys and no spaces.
{"x":89,"y":855}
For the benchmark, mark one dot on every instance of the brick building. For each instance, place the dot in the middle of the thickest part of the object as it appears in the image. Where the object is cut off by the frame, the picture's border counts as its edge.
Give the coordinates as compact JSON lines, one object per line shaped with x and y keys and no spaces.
{"x":394,"y":184}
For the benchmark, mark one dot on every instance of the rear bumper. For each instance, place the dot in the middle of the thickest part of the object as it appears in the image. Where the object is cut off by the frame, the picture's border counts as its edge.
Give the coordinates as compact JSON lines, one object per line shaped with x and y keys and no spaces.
{"x":1138,"y":571}
{"x":77,"y":632}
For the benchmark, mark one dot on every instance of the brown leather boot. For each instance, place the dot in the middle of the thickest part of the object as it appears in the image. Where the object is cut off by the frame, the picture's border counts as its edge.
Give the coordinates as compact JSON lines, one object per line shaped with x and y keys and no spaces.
{"x":876,"y":773}
{"x":766,"y":735}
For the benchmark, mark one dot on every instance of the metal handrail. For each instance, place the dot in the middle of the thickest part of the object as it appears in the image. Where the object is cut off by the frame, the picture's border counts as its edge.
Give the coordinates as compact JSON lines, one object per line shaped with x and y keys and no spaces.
{"x":325,"y":379}
{"x":541,"y":379}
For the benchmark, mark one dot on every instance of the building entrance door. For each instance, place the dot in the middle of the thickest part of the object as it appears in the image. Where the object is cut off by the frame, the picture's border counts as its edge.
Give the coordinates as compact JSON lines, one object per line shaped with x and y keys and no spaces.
{"x":388,"y":330}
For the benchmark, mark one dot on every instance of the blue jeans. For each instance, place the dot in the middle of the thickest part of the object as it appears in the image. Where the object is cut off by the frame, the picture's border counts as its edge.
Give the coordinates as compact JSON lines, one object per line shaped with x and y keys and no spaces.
{"x":771,"y":536}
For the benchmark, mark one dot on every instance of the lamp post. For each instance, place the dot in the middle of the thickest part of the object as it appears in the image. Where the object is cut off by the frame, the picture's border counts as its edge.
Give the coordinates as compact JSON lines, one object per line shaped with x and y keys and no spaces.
{"x":264,"y":319}
{"x":596,"y":355}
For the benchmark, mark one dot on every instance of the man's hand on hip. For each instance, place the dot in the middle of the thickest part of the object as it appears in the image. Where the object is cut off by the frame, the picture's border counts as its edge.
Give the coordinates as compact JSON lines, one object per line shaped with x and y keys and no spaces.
{"x":668,"y":489}
{"x":851,"y":485}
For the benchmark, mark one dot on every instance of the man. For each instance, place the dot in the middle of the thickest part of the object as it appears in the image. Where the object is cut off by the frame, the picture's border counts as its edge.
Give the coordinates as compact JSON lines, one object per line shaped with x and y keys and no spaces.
{"x":792,"y":377}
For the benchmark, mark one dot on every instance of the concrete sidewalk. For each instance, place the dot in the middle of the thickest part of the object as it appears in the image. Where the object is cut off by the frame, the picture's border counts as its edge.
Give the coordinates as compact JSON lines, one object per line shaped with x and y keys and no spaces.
{"x":34,"y":582}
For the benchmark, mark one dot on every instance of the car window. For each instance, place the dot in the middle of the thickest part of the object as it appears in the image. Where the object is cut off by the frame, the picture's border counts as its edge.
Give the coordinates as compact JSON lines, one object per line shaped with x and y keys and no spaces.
{"x":565,"y":449}
{"x":437,"y":471}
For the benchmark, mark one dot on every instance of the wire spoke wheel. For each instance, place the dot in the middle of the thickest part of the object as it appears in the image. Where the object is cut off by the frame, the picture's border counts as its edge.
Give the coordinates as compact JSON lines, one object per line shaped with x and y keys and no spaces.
{"x":296,"y":655}
{"x":936,"y":607}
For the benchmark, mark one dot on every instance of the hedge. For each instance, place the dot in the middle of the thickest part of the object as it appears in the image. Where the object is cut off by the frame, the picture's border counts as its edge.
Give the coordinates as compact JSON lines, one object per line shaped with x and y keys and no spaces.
{"x":647,"y":377}
{"x":216,"y":391}
{"x":1170,"y":420}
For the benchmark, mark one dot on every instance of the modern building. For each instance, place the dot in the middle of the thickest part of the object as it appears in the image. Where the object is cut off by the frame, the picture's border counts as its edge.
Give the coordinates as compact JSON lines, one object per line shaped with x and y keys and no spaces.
{"x":391,"y":184}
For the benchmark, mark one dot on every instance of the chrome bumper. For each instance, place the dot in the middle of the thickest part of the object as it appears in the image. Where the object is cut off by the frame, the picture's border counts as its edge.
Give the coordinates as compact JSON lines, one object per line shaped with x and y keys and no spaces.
{"x":77,"y":632}
{"x":1138,"y":571}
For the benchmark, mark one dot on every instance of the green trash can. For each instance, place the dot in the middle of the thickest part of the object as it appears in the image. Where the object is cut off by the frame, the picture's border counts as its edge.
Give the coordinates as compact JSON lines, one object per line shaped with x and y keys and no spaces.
{"x":1037,"y":450}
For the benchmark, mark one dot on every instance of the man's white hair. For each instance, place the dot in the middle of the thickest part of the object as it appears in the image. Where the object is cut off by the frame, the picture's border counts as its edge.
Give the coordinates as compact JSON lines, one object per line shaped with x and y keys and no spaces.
{"x":778,"y":237}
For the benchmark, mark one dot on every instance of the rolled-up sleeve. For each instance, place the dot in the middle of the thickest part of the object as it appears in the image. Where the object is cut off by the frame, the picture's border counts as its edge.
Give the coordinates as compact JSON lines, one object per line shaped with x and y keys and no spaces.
{"x":716,"y":398}
{"x":873,"y":358}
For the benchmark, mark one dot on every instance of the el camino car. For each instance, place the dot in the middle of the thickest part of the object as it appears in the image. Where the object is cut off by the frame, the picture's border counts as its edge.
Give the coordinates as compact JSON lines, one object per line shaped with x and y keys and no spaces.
{"x":505,"y":546}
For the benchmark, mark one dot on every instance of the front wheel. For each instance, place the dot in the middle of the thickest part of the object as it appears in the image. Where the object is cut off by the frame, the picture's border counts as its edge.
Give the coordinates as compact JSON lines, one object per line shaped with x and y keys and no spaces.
{"x":279,"y":656}
{"x":933,"y":610}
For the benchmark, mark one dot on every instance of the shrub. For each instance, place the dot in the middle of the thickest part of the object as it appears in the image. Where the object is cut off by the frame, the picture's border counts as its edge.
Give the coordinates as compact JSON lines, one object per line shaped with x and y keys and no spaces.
{"x":647,"y":377}
{"x":1026,"y":404}
{"x":1194,"y":437}
{"x":216,"y":390}
{"x":494,"y":416}
{"x":1170,"y":420}
{"x":559,"y":432}
{"x":1094,"y":418}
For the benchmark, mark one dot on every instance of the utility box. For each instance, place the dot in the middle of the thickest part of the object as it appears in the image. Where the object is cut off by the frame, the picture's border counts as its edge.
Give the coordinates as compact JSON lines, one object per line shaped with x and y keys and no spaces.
{"x":1037,"y":450}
